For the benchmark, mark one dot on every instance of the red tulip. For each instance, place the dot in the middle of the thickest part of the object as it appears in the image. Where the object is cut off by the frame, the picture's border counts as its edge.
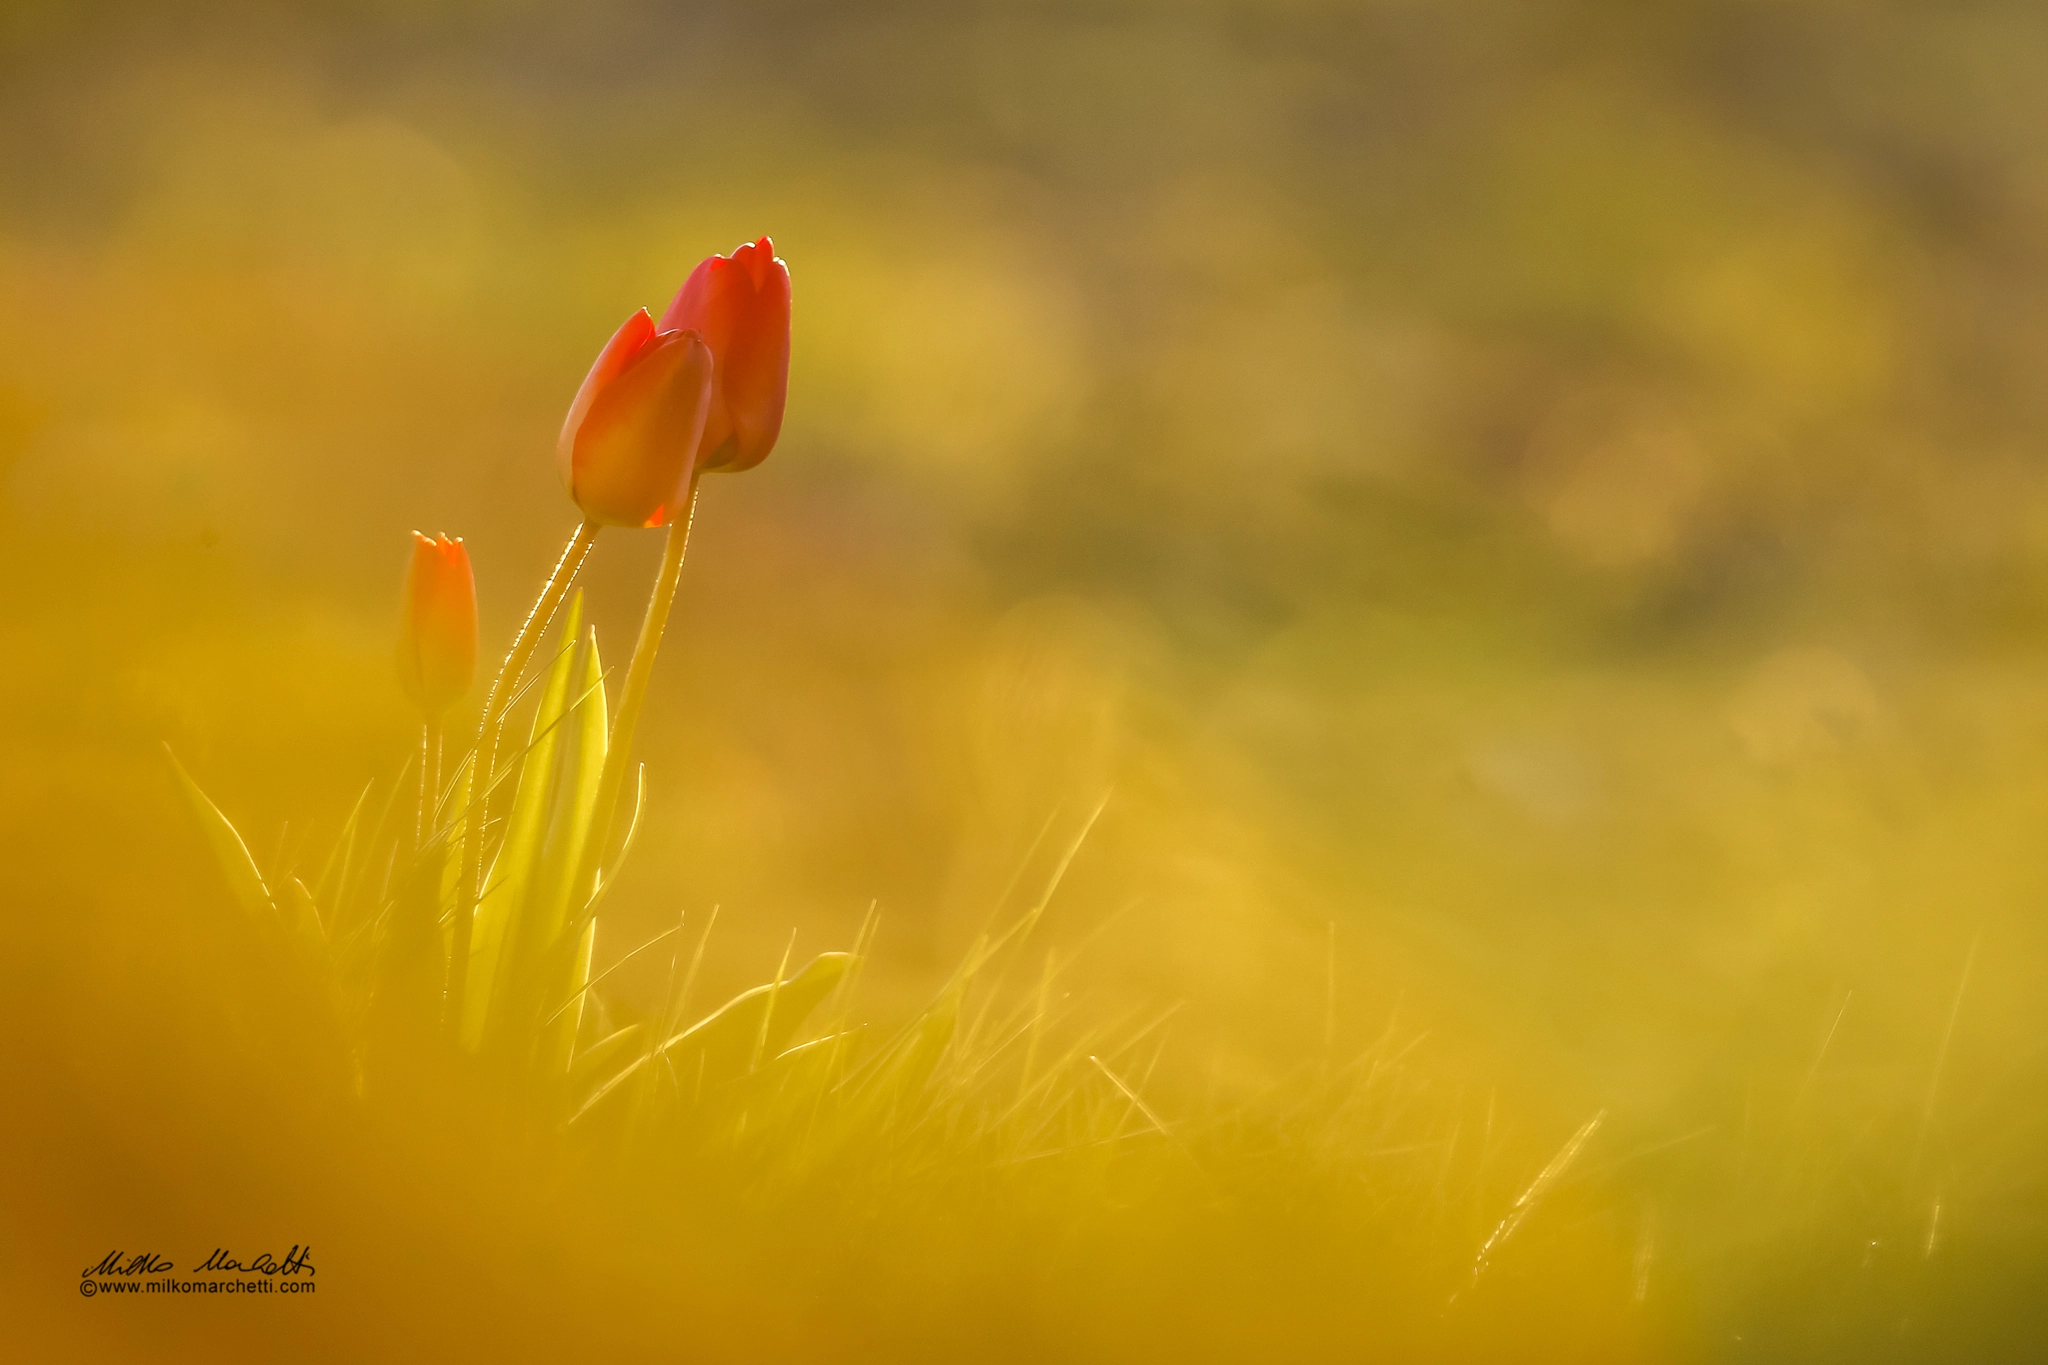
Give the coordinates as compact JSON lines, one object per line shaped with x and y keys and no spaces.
{"x":740,"y":304}
{"x":437,"y":638}
{"x":632,"y":433}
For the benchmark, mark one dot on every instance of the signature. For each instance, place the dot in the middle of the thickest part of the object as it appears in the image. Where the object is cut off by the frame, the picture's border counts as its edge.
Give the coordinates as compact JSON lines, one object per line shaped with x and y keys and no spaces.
{"x":296,"y":1260}
{"x":299,"y":1260}
{"x":148,"y":1263}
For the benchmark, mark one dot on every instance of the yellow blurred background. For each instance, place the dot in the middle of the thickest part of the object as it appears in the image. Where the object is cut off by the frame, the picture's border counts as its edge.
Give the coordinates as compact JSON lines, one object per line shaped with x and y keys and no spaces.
{"x":1550,"y":500}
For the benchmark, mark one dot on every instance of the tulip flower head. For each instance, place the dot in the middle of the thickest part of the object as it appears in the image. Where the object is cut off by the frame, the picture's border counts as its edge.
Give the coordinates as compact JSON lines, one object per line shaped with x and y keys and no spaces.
{"x":437,"y":636}
{"x":740,"y":305}
{"x":632,"y":434}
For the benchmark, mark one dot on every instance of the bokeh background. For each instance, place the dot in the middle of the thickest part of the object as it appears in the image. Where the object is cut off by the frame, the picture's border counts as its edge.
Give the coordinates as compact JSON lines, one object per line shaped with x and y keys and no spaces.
{"x":1551,"y":500}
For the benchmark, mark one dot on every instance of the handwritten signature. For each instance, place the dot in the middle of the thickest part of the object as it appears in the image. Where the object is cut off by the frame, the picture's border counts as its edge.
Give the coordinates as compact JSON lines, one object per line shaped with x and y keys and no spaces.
{"x":297,"y":1261}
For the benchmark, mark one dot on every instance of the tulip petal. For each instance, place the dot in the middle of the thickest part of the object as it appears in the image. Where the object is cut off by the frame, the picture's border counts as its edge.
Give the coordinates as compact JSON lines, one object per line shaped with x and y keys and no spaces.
{"x":632,"y":453}
{"x":703,"y":305}
{"x":756,"y":378}
{"x":690,"y":309}
{"x":633,"y":337}
{"x":437,"y":634}
{"x":758,"y":259}
{"x":740,"y":303}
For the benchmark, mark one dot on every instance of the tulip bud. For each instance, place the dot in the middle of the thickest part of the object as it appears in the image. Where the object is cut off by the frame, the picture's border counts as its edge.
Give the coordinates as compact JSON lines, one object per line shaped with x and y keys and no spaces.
{"x":740,"y":304}
{"x":632,"y":433}
{"x":437,"y":637}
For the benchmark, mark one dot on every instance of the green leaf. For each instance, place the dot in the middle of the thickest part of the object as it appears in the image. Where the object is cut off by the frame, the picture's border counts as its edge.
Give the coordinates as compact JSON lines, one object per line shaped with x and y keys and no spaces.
{"x":506,"y":884}
{"x":304,"y":914}
{"x":718,"y":1049}
{"x":763,"y":1019}
{"x":559,"y":1045}
{"x":599,"y":1066}
{"x":552,"y":965}
{"x":229,"y":852}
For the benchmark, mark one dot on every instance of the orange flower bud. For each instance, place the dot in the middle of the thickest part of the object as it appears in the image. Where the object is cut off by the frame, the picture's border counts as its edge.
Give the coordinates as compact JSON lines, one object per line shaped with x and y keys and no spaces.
{"x":437,"y":637}
{"x":741,"y":306}
{"x":633,"y":431}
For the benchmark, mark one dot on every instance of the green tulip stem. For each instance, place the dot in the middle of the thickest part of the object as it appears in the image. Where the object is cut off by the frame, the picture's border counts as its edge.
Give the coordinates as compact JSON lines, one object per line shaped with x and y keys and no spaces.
{"x":503,"y":688}
{"x":430,"y":780}
{"x":619,"y":751}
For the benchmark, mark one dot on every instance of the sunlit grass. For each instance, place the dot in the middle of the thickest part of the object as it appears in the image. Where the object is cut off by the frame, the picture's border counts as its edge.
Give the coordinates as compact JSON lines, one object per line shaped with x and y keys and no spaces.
{"x":1529,"y":517}
{"x":1012,"y":1151}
